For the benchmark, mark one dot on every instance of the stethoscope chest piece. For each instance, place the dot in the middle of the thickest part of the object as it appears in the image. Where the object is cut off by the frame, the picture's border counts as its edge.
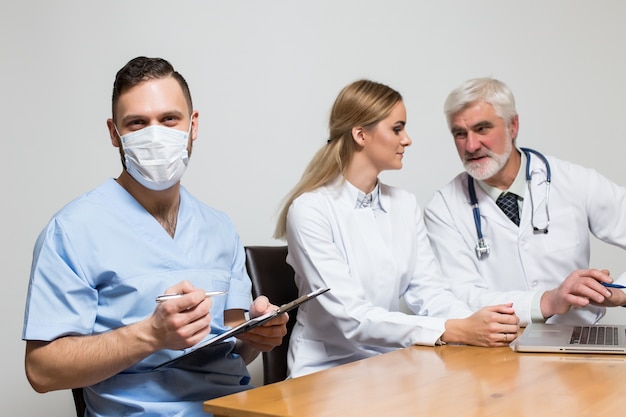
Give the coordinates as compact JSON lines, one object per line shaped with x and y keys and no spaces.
{"x":482,"y":249}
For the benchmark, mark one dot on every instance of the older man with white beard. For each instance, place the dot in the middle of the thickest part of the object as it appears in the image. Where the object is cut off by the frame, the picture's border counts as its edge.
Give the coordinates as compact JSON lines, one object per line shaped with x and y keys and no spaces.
{"x":515,"y":227}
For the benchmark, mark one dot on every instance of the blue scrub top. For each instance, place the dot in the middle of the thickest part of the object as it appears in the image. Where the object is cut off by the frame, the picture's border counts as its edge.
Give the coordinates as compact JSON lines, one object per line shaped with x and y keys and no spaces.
{"x":99,"y":264}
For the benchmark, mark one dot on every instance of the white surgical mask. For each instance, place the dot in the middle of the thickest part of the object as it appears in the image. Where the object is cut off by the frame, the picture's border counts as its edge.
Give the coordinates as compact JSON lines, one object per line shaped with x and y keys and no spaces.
{"x":156,"y":156}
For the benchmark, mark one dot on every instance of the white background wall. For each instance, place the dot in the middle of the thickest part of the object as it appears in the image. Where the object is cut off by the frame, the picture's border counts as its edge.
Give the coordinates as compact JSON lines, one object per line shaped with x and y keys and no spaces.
{"x":263,"y":75}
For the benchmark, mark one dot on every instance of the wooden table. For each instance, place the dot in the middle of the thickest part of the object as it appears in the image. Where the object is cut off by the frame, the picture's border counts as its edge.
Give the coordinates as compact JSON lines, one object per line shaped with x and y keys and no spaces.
{"x":445,"y":381}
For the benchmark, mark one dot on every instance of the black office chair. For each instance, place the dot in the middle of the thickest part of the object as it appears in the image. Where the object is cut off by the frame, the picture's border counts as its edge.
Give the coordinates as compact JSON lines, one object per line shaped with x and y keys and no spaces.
{"x":272,"y":276}
{"x":79,"y":401}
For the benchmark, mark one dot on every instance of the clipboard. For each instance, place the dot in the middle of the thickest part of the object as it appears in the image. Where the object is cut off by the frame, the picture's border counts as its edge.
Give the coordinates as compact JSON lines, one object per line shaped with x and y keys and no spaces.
{"x":250,"y":324}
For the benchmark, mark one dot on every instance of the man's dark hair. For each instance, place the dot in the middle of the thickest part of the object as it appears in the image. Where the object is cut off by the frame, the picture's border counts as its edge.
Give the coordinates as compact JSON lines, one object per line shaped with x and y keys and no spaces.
{"x":141,"y":69}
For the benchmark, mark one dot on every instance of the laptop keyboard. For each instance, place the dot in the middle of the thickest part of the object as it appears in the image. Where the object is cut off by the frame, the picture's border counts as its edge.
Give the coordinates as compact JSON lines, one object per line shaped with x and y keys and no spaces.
{"x":594,"y":335}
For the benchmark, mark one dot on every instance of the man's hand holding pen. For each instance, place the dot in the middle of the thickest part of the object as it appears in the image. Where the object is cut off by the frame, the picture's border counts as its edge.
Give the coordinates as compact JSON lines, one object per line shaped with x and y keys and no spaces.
{"x":184,"y":320}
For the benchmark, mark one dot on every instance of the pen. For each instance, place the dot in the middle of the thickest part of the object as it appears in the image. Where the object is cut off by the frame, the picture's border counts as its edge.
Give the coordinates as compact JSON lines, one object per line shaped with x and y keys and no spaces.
{"x":613,"y":285}
{"x":165,"y":297}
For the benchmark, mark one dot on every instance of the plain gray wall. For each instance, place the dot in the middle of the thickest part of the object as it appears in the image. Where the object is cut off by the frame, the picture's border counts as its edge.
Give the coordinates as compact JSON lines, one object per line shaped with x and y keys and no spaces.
{"x":263,"y":75}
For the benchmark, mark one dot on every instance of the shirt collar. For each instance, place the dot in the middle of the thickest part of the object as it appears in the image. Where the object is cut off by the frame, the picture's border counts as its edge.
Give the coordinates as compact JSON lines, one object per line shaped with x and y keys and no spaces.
{"x":518,"y":186}
{"x":369,"y":200}
{"x":357,"y":198}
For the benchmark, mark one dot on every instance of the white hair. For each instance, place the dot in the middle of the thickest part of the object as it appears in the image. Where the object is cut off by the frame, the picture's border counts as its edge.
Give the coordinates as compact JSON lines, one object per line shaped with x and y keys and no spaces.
{"x":488,"y":90}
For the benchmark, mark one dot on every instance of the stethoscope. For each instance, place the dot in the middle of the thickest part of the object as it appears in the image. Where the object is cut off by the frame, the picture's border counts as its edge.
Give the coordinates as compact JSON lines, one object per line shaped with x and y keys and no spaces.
{"x":482,"y":248}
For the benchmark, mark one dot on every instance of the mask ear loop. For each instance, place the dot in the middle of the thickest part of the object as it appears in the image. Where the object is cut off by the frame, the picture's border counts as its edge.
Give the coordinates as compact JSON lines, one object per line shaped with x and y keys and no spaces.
{"x":190,"y":126}
{"x":119,"y":135}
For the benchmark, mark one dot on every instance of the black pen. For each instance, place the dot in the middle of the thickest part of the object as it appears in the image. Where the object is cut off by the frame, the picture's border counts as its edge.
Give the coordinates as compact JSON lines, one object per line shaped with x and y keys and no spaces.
{"x":165,"y":297}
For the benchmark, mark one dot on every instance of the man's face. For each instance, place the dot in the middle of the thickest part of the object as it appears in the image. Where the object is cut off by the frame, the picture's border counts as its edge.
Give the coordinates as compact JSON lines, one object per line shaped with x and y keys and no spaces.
{"x":153,"y":102}
{"x":483,"y":140}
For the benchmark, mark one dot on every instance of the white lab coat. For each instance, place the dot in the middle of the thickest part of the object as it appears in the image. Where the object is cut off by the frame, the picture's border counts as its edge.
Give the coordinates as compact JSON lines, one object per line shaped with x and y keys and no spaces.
{"x":523,"y":264}
{"x":368,"y":259}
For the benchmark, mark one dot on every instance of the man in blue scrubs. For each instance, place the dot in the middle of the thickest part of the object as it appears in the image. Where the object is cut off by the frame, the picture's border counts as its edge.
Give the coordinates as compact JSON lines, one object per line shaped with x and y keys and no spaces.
{"x":91,"y":319}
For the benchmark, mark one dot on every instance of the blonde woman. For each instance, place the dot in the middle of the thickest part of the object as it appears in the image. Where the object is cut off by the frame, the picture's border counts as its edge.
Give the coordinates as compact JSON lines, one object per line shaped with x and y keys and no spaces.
{"x":367,"y":242}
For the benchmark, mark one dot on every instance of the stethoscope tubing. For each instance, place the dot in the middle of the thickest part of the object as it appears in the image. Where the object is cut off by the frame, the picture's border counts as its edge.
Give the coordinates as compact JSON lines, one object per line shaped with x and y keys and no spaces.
{"x":482,"y":249}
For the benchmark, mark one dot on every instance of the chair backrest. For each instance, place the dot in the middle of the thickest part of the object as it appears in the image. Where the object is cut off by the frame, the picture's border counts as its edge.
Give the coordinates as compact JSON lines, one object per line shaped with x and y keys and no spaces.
{"x":79,"y":401}
{"x":273,"y":277}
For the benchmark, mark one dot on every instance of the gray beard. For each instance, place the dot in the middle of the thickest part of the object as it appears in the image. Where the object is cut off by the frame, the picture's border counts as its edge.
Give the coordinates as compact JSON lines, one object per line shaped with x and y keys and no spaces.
{"x":485,"y":170}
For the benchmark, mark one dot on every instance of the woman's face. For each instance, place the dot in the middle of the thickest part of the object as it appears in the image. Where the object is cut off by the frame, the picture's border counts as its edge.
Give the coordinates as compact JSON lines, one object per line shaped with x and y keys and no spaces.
{"x":384,"y":145}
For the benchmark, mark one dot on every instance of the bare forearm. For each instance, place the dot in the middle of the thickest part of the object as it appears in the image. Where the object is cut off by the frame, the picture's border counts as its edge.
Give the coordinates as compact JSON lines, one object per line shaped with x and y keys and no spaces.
{"x":78,"y":361}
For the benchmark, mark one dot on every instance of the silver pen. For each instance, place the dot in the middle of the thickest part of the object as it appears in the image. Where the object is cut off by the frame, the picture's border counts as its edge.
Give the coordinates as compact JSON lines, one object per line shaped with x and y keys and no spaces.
{"x":165,"y":297}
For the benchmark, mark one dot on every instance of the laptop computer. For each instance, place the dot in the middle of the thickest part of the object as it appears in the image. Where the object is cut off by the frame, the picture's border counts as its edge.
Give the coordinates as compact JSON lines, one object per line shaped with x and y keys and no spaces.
{"x":568,"y":338}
